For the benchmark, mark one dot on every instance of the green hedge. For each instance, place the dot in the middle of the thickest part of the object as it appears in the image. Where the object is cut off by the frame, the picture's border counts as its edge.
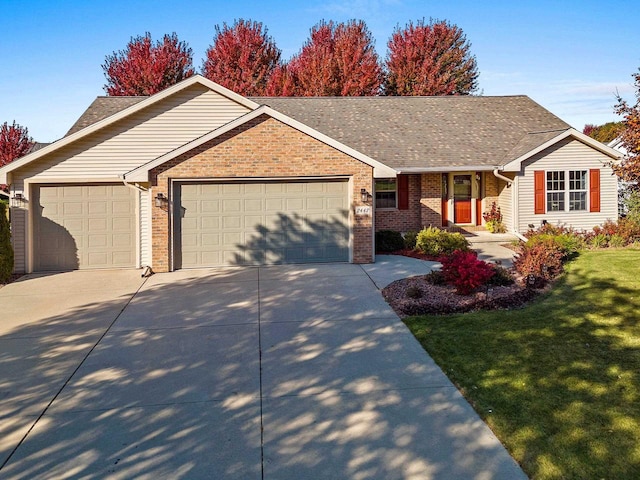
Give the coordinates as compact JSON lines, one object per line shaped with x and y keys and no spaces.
{"x":6,"y":249}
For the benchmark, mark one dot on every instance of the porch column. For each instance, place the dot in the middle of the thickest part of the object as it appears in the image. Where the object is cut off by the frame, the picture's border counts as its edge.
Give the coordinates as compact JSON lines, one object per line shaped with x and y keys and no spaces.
{"x":430,"y":199}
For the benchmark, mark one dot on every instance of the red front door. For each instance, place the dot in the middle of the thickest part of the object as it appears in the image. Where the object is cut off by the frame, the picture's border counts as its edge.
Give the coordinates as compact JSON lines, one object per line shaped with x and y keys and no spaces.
{"x":462,"y":198}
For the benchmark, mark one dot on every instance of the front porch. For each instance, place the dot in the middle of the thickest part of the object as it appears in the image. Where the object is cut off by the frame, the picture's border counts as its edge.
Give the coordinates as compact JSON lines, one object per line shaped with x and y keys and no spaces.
{"x":451,"y":200}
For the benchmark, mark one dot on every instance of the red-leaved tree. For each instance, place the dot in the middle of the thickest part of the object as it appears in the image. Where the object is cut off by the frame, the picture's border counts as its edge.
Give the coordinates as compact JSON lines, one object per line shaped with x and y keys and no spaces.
{"x":144,"y":68}
{"x":629,"y":169}
{"x":336,"y":60}
{"x":242,"y":57}
{"x":15,"y":142}
{"x":430,"y":59}
{"x":281,"y":82}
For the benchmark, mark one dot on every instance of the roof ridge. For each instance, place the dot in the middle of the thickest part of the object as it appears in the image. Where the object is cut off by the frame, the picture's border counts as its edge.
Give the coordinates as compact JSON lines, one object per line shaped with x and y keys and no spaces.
{"x":407,"y":97}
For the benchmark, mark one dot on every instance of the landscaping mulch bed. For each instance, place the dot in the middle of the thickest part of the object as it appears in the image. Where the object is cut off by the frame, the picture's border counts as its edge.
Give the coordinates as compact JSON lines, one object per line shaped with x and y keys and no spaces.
{"x":13,"y":278}
{"x":443,"y":299}
{"x":413,"y":253}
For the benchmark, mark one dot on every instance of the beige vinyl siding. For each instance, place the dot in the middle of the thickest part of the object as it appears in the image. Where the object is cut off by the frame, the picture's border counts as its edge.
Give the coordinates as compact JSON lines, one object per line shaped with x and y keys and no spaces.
{"x":567,"y":155}
{"x":505,"y":201}
{"x":18,"y":228}
{"x":19,"y":220}
{"x":145,"y":228}
{"x":139,"y":138}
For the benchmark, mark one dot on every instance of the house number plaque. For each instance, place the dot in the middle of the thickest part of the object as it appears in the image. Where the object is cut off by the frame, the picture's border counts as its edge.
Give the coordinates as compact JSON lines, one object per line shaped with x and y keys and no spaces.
{"x":363,"y":210}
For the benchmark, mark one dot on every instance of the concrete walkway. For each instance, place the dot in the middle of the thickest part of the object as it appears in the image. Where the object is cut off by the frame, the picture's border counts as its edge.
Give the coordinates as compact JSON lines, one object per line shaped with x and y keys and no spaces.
{"x":274,"y":372}
{"x":490,"y":246}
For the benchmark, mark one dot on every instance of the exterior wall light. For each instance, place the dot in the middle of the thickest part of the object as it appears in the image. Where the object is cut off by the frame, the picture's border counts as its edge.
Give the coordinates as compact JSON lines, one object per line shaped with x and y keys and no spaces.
{"x":364,"y":195}
{"x":18,"y":200}
{"x":161,"y":200}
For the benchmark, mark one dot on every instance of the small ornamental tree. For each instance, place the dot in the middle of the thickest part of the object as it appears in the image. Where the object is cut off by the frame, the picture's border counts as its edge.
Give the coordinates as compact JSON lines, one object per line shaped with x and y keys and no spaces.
{"x":629,"y":169}
{"x":337,"y":60}
{"x":430,"y":59}
{"x":242,"y":58}
{"x":144,"y":68}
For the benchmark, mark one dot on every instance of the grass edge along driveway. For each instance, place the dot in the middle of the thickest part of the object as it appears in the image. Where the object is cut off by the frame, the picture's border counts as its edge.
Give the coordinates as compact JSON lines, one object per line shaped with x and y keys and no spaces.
{"x":559,"y":380}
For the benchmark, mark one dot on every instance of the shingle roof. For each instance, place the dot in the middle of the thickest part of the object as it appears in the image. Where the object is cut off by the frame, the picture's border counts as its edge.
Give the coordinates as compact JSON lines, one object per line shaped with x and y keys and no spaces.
{"x":427,"y":132}
{"x":101,"y":108}
{"x":407,"y":132}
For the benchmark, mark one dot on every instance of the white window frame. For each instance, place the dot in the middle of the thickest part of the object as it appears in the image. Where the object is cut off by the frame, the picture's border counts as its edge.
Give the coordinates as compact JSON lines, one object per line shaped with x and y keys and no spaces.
{"x":584,"y":192}
{"x":386,"y":191}
{"x":563,"y":180}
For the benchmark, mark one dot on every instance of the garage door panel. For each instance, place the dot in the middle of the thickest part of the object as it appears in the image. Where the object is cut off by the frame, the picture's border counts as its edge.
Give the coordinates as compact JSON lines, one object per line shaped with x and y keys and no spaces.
{"x":210,"y":222}
{"x":121,"y":224}
{"x":253,"y":205}
{"x":84,"y":226}
{"x":72,"y":208}
{"x":210,"y":206}
{"x":273,"y":205}
{"x":262,"y":223}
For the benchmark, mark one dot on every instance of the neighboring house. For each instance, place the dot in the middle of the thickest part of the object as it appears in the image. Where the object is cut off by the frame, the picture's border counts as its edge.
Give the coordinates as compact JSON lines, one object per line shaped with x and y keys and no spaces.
{"x":624,"y":188}
{"x":198,"y":176}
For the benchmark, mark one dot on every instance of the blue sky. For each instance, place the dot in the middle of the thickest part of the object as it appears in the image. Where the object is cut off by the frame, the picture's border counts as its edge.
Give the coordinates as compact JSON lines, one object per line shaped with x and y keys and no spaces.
{"x":570,"y":56}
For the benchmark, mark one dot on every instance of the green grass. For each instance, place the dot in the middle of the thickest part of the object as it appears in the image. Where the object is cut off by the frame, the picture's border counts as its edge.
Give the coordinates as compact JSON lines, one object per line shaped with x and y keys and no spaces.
{"x":559,"y":380}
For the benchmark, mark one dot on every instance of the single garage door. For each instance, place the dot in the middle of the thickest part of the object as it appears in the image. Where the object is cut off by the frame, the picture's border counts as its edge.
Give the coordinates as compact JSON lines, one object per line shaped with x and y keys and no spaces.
{"x":84,"y":227}
{"x":258,"y":223}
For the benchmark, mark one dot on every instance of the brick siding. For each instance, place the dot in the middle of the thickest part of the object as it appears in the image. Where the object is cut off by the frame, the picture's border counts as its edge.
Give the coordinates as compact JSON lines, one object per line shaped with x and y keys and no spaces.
{"x":263,"y":148}
{"x":424,"y":206}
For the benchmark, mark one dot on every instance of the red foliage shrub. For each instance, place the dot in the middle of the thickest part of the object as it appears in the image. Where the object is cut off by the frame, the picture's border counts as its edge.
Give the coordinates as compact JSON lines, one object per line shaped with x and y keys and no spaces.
{"x":627,"y":229}
{"x":539,"y":262}
{"x":464,"y":271}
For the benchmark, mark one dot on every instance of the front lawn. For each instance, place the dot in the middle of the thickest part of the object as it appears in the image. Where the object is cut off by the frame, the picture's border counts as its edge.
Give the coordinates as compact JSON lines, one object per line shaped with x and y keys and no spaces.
{"x":559,"y":380}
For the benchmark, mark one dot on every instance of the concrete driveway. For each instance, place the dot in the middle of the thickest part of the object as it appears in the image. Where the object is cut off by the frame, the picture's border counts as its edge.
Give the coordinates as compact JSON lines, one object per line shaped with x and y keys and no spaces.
{"x":274,"y":372}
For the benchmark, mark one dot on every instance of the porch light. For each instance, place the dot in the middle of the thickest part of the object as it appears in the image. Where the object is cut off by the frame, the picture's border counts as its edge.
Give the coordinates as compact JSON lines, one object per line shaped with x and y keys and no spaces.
{"x":161,"y":200}
{"x":364,"y":195}
{"x":18,"y":200}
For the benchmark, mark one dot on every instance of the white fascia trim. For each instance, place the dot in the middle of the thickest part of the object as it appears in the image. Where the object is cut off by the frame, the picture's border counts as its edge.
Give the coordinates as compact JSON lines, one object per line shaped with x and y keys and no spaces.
{"x":515,"y":165}
{"x":125,"y":113}
{"x":141,"y":174}
{"x":457,"y":168}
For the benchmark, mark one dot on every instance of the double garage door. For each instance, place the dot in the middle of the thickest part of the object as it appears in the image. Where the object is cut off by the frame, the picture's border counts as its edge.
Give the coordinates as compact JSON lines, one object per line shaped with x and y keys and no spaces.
{"x":84,"y":227}
{"x":257,"y":223}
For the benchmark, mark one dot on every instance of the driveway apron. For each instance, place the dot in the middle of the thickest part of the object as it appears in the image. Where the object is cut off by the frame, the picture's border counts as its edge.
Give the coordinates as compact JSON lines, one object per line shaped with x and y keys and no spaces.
{"x":255,"y":373}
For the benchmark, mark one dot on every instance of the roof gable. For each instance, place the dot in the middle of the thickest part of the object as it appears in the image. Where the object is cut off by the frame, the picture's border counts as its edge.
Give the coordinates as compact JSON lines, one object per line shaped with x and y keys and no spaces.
{"x":549,"y":139}
{"x":122,"y":113}
{"x":141,"y":174}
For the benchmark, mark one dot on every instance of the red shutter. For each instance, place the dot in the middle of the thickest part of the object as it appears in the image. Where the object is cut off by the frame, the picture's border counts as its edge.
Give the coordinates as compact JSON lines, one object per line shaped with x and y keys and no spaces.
{"x":538,"y":191}
{"x":403,"y":192}
{"x":594,"y":190}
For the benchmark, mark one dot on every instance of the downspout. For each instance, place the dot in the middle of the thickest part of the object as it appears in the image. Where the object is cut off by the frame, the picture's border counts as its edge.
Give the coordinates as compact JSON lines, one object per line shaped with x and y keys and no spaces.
{"x":135,"y":186}
{"x":497,"y":174}
{"x":146,"y":269}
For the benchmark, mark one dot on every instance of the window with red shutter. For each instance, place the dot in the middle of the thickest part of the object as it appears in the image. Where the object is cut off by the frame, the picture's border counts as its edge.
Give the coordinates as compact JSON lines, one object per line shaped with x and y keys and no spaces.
{"x":403,"y":192}
{"x":594,"y":190}
{"x":538,"y":191}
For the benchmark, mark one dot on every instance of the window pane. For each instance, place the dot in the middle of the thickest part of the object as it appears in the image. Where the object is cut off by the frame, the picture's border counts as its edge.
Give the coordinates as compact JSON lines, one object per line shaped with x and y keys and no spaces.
{"x":577,"y":200}
{"x":386,"y":199}
{"x":555,"y":181}
{"x":578,"y":180}
{"x":555,"y":202}
{"x":386,"y":185}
